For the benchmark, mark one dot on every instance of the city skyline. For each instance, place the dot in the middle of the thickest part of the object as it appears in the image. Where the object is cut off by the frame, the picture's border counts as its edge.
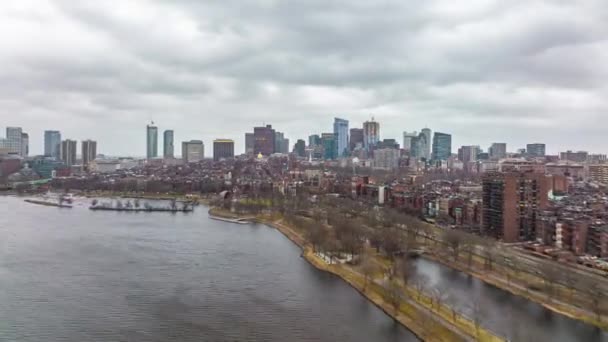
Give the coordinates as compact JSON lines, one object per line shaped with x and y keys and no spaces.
{"x":477,"y":72}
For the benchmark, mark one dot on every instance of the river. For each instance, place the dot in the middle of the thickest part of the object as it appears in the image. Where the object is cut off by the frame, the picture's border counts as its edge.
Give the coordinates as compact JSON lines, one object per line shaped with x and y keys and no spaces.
{"x":78,"y":275}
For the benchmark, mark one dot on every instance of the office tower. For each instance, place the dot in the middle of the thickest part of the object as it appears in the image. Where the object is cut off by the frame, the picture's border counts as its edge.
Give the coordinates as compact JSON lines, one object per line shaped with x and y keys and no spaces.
{"x":68,"y":152}
{"x":356,"y":138}
{"x":371,"y":134}
{"x":468,"y":153}
{"x":89,"y":152}
{"x":314,"y":140}
{"x":511,"y":204}
{"x":330,"y":146}
{"x":577,"y":157}
{"x":263,"y":140}
{"x":407,"y":140}
{"x":442,"y":146}
{"x":193,"y":151}
{"x":599,"y":173}
{"x":25,"y":144}
{"x":52,"y":143}
{"x":12,"y":144}
{"x":388,"y":143}
{"x":386,"y":158}
{"x":419,"y":146}
{"x":151,"y":141}
{"x":249,"y":143}
{"x":300,"y":148}
{"x":281,"y":144}
{"x":223,"y":149}
{"x":168,"y":144}
{"x":341,"y":132}
{"x":498,"y":151}
{"x":535,"y":150}
{"x":427,"y":146}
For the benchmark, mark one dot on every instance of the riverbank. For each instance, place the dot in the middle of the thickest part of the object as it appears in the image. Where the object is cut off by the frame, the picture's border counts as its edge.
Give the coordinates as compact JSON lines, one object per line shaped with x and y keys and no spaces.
{"x":417,"y":313}
{"x":520,"y":290}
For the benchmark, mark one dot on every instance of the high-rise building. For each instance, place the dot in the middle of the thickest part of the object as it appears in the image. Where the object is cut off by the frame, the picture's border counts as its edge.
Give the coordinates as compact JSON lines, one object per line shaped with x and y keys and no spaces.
{"x":511,"y":204}
{"x":52,"y":143}
{"x":498,"y":151}
{"x":193,"y":151}
{"x":407,"y":140}
{"x":371,"y":134}
{"x":151,"y":141}
{"x":314,"y":140}
{"x":468,"y":153}
{"x":89,"y":152}
{"x":442,"y":146}
{"x":68,"y":152}
{"x":223,"y":149}
{"x":388,"y":143}
{"x":356,"y":138}
{"x":249,"y":143}
{"x":168,"y":144}
{"x":426,"y":148}
{"x":341,"y":132}
{"x":264,"y":140}
{"x":330,"y":146}
{"x":419,"y":146}
{"x":281,"y":144}
{"x":386,"y":158}
{"x":285,"y":146}
{"x":12,"y":144}
{"x":25,"y":145}
{"x":599,"y":173}
{"x":577,"y":157}
{"x":535,"y":150}
{"x":300,"y":148}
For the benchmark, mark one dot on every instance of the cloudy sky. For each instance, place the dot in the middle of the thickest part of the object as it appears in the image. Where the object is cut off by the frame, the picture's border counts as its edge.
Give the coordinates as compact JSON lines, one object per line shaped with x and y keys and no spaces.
{"x":484,"y":71}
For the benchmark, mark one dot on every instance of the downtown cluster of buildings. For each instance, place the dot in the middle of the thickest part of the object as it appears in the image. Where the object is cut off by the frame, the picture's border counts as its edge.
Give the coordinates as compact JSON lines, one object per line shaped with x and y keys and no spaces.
{"x":193,"y":151}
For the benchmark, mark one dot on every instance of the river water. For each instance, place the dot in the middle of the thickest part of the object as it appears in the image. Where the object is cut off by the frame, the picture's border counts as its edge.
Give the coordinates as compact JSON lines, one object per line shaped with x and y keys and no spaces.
{"x":78,"y":275}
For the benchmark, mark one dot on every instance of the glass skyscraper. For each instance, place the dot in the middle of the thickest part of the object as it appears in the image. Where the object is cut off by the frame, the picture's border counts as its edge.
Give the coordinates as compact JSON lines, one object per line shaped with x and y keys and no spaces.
{"x":442,"y":146}
{"x":151,"y":141}
{"x":168,"y":144}
{"x":52,"y":143}
{"x":341,"y":132}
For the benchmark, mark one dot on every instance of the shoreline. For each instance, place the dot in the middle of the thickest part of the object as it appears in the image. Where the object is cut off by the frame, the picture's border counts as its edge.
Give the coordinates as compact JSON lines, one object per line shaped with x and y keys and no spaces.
{"x":441,"y":329}
{"x":503,"y":285}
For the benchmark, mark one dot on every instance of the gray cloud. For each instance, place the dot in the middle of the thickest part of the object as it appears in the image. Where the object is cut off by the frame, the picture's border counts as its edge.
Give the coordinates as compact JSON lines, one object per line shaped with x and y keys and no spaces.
{"x":485,"y":71}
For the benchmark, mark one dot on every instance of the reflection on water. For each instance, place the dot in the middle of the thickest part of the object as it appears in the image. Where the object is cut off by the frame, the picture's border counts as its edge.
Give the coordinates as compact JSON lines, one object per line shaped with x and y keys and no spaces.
{"x":508,"y":315}
{"x":77,"y":275}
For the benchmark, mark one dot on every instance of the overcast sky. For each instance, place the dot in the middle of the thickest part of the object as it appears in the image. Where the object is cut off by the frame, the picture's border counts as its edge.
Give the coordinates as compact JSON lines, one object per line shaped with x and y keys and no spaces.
{"x":484,"y":71}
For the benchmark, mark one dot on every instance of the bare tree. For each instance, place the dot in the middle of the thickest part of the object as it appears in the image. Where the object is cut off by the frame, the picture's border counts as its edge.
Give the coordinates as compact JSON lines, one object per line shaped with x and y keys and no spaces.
{"x":453,"y":240}
{"x":439,"y":295}
{"x":405,"y":269}
{"x":392,"y":294}
{"x":421,"y":281}
{"x":477,"y":314}
{"x":597,"y":295}
{"x":551,"y":276}
{"x":488,"y":248}
{"x":368,"y":268}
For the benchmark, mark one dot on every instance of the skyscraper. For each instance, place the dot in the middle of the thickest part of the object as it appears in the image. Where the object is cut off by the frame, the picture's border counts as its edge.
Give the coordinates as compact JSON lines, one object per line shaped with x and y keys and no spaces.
{"x":263,"y":140}
{"x":193,"y":151}
{"x":168,"y":144}
{"x":419,"y":146}
{"x":13,"y":142}
{"x":371,"y":134}
{"x":223,"y":148}
{"x":52,"y":143}
{"x":151,"y":141}
{"x":341,"y":132}
{"x":427,"y":146}
{"x":498,"y":151}
{"x":89,"y":152}
{"x":300,"y":148}
{"x":356,"y":138}
{"x":386,"y":158}
{"x":249,"y":143}
{"x":314,"y":140}
{"x":281,"y":144}
{"x":468,"y":153}
{"x":442,"y":146}
{"x":330,"y":146}
{"x":535,"y":150}
{"x":25,"y":144}
{"x":511,"y":204}
{"x":407,"y":140}
{"x":68,"y":152}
